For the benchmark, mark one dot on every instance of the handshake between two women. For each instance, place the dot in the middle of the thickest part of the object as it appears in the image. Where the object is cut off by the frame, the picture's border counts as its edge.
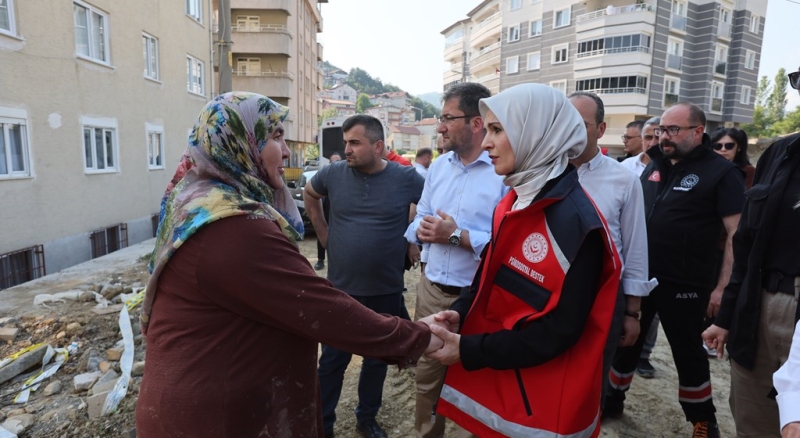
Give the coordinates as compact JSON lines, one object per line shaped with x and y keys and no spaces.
{"x":445,"y":340}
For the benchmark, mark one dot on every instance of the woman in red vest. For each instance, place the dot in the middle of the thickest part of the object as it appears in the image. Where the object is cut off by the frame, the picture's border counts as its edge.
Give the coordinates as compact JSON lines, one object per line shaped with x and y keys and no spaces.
{"x":527,"y":356}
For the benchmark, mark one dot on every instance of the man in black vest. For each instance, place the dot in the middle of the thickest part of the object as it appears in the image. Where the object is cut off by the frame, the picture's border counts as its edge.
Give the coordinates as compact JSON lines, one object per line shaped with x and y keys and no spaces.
{"x":759,"y":308}
{"x":690,"y":195}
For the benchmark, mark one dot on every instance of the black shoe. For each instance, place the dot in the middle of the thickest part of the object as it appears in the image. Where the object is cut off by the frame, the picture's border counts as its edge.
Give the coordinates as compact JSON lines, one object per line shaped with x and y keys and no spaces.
{"x":612,"y":409}
{"x":644,"y":369}
{"x":320,"y":265}
{"x":329,"y":434}
{"x":705,"y":429}
{"x":370,"y":429}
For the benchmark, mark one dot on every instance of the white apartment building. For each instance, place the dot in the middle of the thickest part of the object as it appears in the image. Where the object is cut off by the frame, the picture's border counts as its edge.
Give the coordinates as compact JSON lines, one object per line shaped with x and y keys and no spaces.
{"x":96,"y":103}
{"x":472,"y":47}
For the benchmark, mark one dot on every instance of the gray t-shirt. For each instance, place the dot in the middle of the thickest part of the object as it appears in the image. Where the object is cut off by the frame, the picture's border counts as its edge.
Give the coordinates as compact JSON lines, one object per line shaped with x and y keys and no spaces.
{"x":368,"y":217}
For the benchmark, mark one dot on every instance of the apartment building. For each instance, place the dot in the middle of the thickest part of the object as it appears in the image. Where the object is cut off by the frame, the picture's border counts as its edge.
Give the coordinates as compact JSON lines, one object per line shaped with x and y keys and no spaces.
{"x":275,"y":53}
{"x":640,"y":57}
{"x":96,"y":104}
{"x":472,"y":47}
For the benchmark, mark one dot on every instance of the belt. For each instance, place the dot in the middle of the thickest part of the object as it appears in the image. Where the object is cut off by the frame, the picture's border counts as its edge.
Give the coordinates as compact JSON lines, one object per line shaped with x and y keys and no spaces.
{"x":449,"y":290}
{"x":774,"y":281}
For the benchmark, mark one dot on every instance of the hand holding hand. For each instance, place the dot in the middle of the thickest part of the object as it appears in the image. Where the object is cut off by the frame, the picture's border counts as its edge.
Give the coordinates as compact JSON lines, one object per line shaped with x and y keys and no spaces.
{"x":449,"y":319}
{"x":449,"y":353}
{"x":716,"y":337}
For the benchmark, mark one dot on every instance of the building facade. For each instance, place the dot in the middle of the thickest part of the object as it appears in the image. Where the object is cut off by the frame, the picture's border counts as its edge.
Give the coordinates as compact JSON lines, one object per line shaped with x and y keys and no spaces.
{"x":96,"y":104}
{"x":472,"y":47}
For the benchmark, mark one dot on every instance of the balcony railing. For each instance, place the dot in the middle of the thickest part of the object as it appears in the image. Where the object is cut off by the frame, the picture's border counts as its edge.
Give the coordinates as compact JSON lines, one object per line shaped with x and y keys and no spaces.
{"x":269,"y":74}
{"x":628,"y":90}
{"x":612,"y":11}
{"x":487,"y":49}
{"x":273,"y":28}
{"x":724,"y":30}
{"x":720,"y":68}
{"x":486,"y":78}
{"x":716,"y":104}
{"x":459,"y":40}
{"x":612,"y":51}
{"x":486,"y":20}
{"x":678,"y":22}
{"x":674,"y":61}
{"x":670,"y":99}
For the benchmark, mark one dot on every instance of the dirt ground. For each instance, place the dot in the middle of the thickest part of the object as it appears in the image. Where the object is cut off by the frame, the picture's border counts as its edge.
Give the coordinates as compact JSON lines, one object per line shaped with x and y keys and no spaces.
{"x":652,"y":409}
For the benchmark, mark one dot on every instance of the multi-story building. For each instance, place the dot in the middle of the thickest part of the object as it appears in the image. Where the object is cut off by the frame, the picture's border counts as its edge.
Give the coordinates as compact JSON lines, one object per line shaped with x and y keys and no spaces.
{"x":275,"y":53}
{"x":641,"y":57}
{"x":472,"y":47}
{"x":344,"y":108}
{"x":96,"y":104}
{"x":340,"y":92}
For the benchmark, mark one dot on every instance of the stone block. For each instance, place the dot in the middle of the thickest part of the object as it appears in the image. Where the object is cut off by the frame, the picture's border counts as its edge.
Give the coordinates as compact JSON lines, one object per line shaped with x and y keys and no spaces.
{"x":95,"y":403}
{"x":8,"y":333}
{"x":84,"y":381}
{"x":100,"y":387}
{"x":22,"y":364}
{"x":114,"y":354}
{"x":18,"y":424}
{"x":53,"y":388}
{"x":137,"y":369}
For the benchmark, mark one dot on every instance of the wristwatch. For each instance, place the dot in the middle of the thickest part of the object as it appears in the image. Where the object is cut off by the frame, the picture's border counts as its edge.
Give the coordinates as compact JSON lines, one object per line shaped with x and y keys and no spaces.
{"x":455,"y":238}
{"x":637,"y":315}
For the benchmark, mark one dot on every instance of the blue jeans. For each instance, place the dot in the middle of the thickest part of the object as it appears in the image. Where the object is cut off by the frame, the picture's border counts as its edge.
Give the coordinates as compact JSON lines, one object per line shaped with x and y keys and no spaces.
{"x":333,"y":363}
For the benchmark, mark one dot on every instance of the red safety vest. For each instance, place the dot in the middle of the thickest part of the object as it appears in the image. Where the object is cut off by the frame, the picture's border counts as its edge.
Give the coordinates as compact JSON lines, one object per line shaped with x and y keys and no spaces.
{"x":560,"y":398}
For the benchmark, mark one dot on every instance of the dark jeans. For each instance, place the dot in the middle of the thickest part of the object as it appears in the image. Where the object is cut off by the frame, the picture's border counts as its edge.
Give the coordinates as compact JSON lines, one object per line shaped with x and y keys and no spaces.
{"x":333,"y":363}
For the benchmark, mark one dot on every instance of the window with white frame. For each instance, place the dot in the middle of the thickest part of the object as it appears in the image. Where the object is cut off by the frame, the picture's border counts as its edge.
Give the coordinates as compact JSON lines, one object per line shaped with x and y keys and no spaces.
{"x":91,"y":32}
{"x":194,"y":9}
{"x":100,"y":151}
{"x":560,"y":85}
{"x":746,"y":95}
{"x":672,"y":91}
{"x":248,"y":23}
{"x":560,"y":54}
{"x":717,"y":91}
{"x":749,"y":59}
{"x":754,"y":22}
{"x":155,"y":146}
{"x":513,"y":33}
{"x":535,"y":28}
{"x":561,"y":18}
{"x":150,"y":52}
{"x":674,"y":53}
{"x":7,"y":22}
{"x":721,"y":60}
{"x":195,"y":71}
{"x":516,"y":4}
{"x":534,"y":61}
{"x":512,"y":65}
{"x":14,"y":151}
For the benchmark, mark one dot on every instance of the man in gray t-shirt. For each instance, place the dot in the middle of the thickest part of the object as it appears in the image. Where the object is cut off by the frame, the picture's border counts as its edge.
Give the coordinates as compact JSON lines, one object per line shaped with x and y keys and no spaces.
{"x":369,"y":210}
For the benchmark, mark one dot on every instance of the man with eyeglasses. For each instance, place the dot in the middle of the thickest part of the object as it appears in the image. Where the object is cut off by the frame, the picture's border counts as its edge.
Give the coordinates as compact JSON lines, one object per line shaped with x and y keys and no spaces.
{"x":759,"y":308}
{"x":632,"y":139}
{"x":453,"y":223}
{"x":690,"y":194}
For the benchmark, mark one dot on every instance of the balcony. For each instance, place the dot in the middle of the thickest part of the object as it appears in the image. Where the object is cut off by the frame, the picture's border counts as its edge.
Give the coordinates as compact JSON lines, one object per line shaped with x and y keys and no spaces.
{"x":613,"y":57}
{"x":454,"y":50}
{"x":275,"y":84}
{"x":678,"y":22}
{"x":720,"y":68}
{"x":674,"y":62}
{"x":488,"y":29}
{"x":615,"y":16}
{"x":490,"y":81}
{"x":487,"y":58}
{"x":319,"y":52}
{"x":278,"y":40}
{"x":716,"y":105}
{"x":282,"y":5}
{"x":724,"y":30}
{"x":670,"y":99}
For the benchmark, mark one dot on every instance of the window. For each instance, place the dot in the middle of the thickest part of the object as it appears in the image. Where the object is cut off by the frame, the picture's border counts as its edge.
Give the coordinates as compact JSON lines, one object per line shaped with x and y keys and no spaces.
{"x":7,"y":22}
{"x":674,"y":54}
{"x":21,"y":266}
{"x":721,"y":60}
{"x":512,"y":65}
{"x":108,"y":240}
{"x":534,"y":61}
{"x":678,"y":17}
{"x":155,"y":146}
{"x":150,"y":51}
{"x":100,"y":145}
{"x":91,"y":32}
{"x":561,"y":18}
{"x":560,"y":85}
{"x":717,"y":90}
{"x":248,"y":66}
{"x":724,"y":23}
{"x":613,"y":85}
{"x":617,"y":44}
{"x":195,"y":71}
{"x":194,"y":9}
{"x":672,"y":91}
{"x":13,"y":143}
{"x":535,"y":28}
{"x":754,"y":22}
{"x":513,"y":33}
{"x":560,"y":54}
{"x":248,"y":23}
{"x":516,"y":4}
{"x":749,"y":59}
{"x":746,"y":94}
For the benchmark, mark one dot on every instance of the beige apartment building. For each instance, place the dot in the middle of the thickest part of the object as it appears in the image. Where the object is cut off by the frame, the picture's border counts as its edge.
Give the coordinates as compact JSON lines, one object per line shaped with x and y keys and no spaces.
{"x":472,"y":47}
{"x":96,"y":104}
{"x":275,"y":53}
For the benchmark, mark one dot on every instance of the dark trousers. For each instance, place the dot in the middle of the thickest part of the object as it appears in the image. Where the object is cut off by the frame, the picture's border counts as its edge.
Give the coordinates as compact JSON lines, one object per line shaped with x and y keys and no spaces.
{"x":613,"y":339}
{"x":333,"y":363}
{"x":320,"y":252}
{"x":681,"y":310}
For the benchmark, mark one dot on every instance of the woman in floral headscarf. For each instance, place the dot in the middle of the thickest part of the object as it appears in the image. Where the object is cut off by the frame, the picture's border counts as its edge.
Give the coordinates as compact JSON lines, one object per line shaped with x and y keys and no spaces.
{"x":233,"y":312}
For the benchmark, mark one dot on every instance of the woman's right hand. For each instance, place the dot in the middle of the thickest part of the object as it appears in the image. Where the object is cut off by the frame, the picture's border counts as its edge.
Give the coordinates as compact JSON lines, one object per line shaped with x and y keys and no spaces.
{"x":448,"y":319}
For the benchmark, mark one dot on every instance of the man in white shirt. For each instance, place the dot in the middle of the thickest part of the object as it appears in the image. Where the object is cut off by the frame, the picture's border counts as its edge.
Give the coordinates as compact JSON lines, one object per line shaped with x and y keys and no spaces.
{"x":422,"y":161}
{"x":787,"y":383}
{"x":453,"y":223}
{"x":618,"y":195}
{"x":637,"y":163}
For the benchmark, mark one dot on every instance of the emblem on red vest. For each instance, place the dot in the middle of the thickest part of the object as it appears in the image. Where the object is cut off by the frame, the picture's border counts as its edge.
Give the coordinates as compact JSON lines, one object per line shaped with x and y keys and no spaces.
{"x":655,"y":176}
{"x":535,"y":248}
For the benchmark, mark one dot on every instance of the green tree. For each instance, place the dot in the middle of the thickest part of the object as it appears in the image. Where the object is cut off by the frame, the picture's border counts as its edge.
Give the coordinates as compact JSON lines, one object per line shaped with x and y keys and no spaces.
{"x":776,"y":102}
{"x":761,"y":124}
{"x":789,"y":124}
{"x":363,"y":103}
{"x":312,"y":151}
{"x":762,"y":91}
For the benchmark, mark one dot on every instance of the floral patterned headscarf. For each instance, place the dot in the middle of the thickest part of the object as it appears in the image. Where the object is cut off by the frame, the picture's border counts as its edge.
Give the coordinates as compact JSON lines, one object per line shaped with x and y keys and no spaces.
{"x":221,"y":175}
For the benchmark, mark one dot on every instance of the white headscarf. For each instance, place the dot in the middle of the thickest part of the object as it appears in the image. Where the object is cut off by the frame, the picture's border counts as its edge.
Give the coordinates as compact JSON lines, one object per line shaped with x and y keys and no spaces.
{"x":544,"y":129}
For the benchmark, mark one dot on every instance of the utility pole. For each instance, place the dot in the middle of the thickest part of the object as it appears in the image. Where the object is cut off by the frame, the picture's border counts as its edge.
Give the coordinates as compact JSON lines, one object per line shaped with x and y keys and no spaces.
{"x":225,"y":61}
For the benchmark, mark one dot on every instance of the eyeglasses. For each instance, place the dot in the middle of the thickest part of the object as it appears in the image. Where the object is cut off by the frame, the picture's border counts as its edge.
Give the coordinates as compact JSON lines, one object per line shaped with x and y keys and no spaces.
{"x":627,"y":137}
{"x":727,"y":146}
{"x":449,"y":119}
{"x":650,"y":137}
{"x":671,"y":130}
{"x":794,"y":80}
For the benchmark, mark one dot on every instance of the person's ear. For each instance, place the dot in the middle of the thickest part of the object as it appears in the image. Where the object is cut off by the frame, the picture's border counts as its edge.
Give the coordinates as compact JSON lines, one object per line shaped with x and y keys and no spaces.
{"x":601,"y":129}
{"x":476,"y":123}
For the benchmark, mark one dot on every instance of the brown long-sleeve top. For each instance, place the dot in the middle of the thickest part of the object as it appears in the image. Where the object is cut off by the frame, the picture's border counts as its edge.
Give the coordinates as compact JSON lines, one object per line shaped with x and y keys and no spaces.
{"x":233,"y":337}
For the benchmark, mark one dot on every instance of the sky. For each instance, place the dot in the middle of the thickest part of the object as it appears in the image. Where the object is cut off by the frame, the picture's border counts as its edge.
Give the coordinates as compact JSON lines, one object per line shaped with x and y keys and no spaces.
{"x":400,"y":41}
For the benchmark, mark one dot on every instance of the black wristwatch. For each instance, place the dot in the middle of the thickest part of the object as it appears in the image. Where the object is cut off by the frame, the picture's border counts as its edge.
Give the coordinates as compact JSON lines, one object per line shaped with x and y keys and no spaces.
{"x":637,"y":315}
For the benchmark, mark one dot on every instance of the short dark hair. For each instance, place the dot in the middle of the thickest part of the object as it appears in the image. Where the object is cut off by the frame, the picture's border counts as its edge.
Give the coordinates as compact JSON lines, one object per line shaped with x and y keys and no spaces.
{"x":639,"y":124}
{"x":337,"y":154}
{"x":697,"y":116}
{"x":421,"y":152}
{"x":373,"y":128}
{"x":740,"y":137}
{"x":468,"y":94}
{"x":600,"y":112}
